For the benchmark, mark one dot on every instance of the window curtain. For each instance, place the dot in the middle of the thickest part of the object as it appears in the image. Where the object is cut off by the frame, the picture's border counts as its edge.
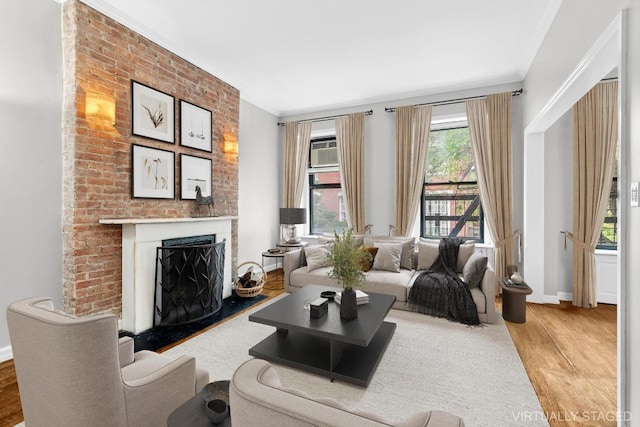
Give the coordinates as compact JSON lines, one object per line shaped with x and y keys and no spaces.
{"x":490,"y":130}
{"x":595,"y":138}
{"x":412,"y":141}
{"x":350,"y":143}
{"x":296,"y":154}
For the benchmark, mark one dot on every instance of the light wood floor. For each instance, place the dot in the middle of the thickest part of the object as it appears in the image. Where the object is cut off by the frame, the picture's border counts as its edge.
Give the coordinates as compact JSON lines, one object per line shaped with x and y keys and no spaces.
{"x":569,"y":354}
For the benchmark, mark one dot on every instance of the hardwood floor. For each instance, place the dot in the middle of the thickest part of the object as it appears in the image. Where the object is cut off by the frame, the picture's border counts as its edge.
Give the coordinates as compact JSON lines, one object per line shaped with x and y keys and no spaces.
{"x":569,"y":354}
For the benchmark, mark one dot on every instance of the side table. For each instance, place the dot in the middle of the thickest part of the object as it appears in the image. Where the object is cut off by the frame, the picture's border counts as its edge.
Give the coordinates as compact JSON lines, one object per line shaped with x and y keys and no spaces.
{"x":278,"y":256}
{"x":514,"y":302}
{"x":192,"y":412}
{"x":286,"y":247}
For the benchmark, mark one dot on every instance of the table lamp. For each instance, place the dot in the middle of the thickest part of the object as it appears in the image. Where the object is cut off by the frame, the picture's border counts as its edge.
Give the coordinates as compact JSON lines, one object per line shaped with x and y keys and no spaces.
{"x":290,"y":217}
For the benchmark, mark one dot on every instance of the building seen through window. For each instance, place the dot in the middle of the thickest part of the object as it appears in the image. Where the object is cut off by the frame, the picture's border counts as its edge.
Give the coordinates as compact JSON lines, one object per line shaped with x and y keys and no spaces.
{"x":326,"y":205}
{"x":451,"y":197}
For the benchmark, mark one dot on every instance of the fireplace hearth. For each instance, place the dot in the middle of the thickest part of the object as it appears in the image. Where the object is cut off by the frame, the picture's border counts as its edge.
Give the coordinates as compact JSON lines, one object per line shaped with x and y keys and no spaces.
{"x":189,"y":280}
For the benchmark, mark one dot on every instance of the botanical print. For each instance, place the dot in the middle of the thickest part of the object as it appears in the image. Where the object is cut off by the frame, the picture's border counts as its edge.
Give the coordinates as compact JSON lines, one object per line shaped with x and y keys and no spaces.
{"x":156,"y":113}
{"x":152,"y":113}
{"x":153,"y":173}
{"x":156,"y":175}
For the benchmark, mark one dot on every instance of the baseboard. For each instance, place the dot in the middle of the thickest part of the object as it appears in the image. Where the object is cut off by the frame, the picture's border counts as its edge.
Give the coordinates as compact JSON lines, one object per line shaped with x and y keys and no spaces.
{"x":565,"y":296}
{"x":551,"y":299}
{"x":6,"y":353}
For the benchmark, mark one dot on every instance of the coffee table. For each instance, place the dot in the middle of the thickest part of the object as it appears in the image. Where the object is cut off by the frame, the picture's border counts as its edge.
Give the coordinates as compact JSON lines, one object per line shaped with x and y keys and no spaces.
{"x":346,"y":350}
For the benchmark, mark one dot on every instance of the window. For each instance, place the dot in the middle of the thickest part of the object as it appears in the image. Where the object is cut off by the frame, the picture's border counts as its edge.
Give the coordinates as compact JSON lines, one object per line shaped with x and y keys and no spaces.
{"x":451,"y":196}
{"x":609,"y":233}
{"x":326,"y":207}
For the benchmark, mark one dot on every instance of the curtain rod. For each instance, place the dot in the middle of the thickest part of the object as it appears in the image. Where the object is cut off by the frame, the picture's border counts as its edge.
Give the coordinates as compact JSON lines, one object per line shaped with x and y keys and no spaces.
{"x":451,"y":101}
{"x":322,"y":119}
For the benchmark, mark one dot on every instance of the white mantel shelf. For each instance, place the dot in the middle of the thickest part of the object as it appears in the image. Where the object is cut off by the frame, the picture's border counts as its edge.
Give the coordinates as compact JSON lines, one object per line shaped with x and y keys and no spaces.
{"x":141,"y":238}
{"x":121,"y":221}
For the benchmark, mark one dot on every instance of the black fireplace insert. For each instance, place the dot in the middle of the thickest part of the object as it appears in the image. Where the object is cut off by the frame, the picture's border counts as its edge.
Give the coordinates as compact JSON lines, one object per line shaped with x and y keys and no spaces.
{"x":189,"y":280}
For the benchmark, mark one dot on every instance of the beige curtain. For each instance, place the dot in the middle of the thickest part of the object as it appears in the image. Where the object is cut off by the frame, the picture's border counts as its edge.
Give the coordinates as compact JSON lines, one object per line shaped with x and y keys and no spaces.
{"x":490,"y":129}
{"x":296,"y":154}
{"x":595,"y":137}
{"x":412,"y":141}
{"x":350,"y":142}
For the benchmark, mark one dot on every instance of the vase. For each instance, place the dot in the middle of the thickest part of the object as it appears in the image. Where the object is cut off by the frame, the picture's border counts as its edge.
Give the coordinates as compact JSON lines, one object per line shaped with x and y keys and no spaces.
{"x":348,"y":306}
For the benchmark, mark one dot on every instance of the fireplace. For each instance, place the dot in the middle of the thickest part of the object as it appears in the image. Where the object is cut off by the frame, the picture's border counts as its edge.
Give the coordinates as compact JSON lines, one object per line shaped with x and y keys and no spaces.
{"x":141,"y":238}
{"x":189,"y":279}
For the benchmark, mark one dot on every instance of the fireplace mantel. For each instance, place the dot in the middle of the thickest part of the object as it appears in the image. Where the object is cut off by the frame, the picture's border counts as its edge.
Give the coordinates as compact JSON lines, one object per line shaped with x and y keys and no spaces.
{"x":140,"y":239}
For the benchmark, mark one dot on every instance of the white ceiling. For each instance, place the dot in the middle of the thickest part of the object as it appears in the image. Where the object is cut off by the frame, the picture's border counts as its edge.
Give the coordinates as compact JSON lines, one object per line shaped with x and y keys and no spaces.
{"x":295,"y":56}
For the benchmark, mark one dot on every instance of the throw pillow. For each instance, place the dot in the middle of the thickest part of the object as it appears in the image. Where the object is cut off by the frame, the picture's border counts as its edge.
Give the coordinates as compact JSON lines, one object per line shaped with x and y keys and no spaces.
{"x":388,"y":257}
{"x":316,"y":257}
{"x":474,"y":269}
{"x":427,"y":254}
{"x":464,"y":253}
{"x":366,"y":265}
{"x":408,"y":244}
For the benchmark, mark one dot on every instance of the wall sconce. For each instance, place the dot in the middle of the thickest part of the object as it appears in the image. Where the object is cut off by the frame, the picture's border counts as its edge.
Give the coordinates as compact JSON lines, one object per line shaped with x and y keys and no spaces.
{"x":230,"y":145}
{"x":99,"y":107}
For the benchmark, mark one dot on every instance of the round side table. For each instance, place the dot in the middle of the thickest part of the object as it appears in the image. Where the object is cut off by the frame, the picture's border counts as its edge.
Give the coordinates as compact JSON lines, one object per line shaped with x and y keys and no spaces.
{"x":192,"y":412}
{"x":277,"y":256}
{"x":514,"y":302}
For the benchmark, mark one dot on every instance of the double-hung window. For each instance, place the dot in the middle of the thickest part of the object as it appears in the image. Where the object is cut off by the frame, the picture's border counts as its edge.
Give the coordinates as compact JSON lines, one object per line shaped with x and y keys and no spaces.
{"x":451,"y":197}
{"x":326,"y":206}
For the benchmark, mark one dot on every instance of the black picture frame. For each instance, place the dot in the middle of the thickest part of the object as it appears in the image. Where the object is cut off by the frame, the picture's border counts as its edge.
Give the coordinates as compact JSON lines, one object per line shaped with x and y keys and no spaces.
{"x":195,"y":171}
{"x":196,"y":124}
{"x":152,"y":113}
{"x":152,"y":173}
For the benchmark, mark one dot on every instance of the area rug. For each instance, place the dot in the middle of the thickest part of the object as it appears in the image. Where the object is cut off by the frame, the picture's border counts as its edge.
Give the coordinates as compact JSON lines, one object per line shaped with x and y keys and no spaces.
{"x":430,"y":363}
{"x":158,"y":337}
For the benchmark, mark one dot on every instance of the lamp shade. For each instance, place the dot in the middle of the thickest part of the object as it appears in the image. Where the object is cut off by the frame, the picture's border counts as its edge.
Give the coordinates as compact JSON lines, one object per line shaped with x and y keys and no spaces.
{"x":293,"y":216}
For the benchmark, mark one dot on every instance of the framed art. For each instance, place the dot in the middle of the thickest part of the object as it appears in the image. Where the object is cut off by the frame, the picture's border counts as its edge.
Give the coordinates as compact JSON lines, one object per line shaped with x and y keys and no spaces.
{"x":153,"y":173}
{"x":194,"y":172}
{"x":195,"y":126}
{"x":152,"y":113}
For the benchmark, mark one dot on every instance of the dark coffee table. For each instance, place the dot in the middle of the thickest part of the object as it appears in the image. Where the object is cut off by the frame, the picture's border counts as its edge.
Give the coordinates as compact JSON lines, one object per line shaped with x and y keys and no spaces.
{"x":346,"y":350}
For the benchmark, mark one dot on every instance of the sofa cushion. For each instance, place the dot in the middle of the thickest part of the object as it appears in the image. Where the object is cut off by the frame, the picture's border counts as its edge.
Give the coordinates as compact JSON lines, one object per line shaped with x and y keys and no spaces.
{"x":378,"y":281}
{"x":408,"y":245}
{"x":366,"y":265}
{"x":464,"y":253}
{"x":316,"y":257}
{"x":388,"y":256}
{"x":474,"y":269}
{"x":427,"y":254}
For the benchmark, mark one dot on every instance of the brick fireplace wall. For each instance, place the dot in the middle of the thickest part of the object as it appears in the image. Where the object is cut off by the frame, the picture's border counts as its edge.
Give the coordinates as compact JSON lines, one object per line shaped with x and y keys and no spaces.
{"x":102,"y":57}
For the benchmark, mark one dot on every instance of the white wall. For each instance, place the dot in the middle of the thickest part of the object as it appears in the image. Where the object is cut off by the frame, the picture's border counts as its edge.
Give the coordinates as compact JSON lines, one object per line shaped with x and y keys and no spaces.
{"x":380,"y":150}
{"x":558,"y":206}
{"x":259,"y":183}
{"x":30,"y":154}
{"x":577,"y":25}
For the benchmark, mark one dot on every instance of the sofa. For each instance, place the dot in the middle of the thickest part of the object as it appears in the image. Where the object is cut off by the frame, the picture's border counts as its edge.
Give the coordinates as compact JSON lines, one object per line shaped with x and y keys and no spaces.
{"x":257,"y":398}
{"x":414,"y":258}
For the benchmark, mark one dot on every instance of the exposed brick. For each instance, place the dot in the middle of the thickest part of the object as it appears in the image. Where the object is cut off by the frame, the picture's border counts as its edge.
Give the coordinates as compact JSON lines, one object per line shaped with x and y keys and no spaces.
{"x":102,"y":56}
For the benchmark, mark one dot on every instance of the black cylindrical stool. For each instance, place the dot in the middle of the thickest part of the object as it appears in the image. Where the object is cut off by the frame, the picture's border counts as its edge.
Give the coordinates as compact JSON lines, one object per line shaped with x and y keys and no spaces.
{"x":514,"y":302}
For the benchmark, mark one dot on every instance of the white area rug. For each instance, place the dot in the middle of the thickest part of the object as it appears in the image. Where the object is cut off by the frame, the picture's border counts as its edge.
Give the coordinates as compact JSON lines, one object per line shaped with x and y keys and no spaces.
{"x":430,"y":363}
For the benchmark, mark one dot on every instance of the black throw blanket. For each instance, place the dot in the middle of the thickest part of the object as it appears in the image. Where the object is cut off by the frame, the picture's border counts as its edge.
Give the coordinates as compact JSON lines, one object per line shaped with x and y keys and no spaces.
{"x":440,"y":292}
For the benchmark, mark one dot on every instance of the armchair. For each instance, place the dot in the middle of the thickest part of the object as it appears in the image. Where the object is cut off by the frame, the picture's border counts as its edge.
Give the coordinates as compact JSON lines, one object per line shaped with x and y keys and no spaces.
{"x":75,"y":372}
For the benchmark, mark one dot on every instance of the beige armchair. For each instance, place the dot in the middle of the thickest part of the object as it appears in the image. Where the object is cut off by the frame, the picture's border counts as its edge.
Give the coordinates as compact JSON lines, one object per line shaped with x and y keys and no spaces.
{"x":76,"y":372}
{"x":257,"y":398}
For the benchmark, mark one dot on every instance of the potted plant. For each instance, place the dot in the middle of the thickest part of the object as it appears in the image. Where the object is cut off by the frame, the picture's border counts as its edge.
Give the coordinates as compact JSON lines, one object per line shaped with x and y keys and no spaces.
{"x":347,"y":259}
